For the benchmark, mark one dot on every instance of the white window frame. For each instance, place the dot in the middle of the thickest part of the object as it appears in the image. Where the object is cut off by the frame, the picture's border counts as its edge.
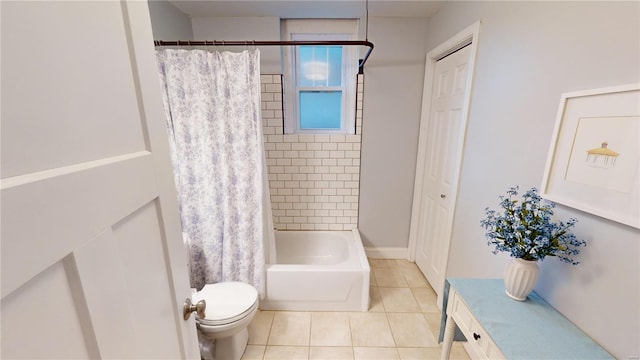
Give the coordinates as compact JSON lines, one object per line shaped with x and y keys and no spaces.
{"x":304,"y":30}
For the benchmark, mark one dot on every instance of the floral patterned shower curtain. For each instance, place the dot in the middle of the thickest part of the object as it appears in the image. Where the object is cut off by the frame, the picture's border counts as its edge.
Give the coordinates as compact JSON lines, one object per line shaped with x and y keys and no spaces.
{"x":212,"y":102}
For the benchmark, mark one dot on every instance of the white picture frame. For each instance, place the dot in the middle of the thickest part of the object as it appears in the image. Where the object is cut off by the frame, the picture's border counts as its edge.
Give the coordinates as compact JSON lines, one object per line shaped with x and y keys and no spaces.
{"x":593,"y":163}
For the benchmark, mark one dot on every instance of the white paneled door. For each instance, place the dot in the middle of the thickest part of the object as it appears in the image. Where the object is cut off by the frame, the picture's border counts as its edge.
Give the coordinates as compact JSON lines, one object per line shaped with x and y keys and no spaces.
{"x":93,"y":265}
{"x":441,"y":160}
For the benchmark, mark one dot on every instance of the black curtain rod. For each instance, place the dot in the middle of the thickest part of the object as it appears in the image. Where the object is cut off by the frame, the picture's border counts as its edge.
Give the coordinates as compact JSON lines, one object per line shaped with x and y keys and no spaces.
{"x":271,"y":43}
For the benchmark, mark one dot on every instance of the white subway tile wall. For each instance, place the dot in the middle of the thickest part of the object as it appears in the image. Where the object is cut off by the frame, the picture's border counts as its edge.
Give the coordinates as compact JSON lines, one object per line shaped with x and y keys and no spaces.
{"x":314,"y":179}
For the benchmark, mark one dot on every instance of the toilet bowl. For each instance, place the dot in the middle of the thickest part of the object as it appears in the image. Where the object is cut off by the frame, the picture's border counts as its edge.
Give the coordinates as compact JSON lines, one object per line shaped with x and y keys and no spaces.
{"x":230,"y":308}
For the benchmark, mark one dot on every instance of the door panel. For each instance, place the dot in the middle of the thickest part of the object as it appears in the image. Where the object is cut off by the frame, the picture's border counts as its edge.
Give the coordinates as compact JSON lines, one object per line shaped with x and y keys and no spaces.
{"x":93,"y":264}
{"x":62,"y":89}
{"x":103,"y":286}
{"x":49,"y":299}
{"x":460,"y":78}
{"x":449,"y":167}
{"x":147,"y":277}
{"x":435,"y":154}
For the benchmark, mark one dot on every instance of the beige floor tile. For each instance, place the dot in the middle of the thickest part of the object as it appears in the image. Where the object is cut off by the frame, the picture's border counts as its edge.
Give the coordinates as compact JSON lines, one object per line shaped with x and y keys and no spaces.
{"x":330,"y":329}
{"x":370,"y":329}
{"x":260,"y":327}
{"x":375,"y":300}
{"x":458,"y":352}
{"x":286,"y":353}
{"x":331,"y":353}
{"x":382,"y":263}
{"x":430,"y":290}
{"x":427,"y":299}
{"x":433,"y":320}
{"x":372,"y":279}
{"x":413,"y":276}
{"x":389,"y":276}
{"x":290,"y":328}
{"x":374,"y":353}
{"x":398,"y":299}
{"x":419,"y":353}
{"x":411,"y":330}
{"x":403,"y":263}
{"x":253,"y":352}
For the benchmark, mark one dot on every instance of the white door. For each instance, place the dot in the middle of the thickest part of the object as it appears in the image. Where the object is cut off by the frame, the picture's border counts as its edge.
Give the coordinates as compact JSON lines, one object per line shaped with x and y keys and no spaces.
{"x":444,"y":134}
{"x":93,"y":264}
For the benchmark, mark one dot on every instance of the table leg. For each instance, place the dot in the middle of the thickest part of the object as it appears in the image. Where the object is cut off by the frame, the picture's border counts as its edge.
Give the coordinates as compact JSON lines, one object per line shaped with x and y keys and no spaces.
{"x":449,"y":332}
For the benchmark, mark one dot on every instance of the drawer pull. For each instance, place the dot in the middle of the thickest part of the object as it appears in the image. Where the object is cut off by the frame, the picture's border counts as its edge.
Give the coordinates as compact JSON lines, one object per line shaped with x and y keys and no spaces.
{"x":476,"y":336}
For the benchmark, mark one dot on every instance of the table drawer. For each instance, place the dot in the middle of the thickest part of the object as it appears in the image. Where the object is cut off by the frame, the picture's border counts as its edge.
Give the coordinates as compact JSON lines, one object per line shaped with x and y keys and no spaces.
{"x":476,"y":336}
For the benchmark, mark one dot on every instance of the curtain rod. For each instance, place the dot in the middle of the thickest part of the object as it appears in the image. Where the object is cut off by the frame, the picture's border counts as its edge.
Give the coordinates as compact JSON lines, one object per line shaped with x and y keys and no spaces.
{"x":271,"y":43}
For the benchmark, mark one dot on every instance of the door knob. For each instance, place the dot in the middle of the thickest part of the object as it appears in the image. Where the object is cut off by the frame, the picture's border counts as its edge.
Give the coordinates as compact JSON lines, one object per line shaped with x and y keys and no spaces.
{"x":189,"y":308}
{"x":442,"y":196}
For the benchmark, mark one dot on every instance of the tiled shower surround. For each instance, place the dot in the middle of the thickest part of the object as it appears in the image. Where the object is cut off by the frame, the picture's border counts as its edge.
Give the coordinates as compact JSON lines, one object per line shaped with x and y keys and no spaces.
{"x":314,"y":179}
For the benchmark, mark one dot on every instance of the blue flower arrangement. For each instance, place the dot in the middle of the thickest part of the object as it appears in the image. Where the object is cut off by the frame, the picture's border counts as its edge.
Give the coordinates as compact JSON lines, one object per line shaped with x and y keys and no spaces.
{"x":525,"y":230}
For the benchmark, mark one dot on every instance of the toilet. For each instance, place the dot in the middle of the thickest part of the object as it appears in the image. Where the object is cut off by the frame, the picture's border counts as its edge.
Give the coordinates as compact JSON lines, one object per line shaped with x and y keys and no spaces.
{"x":223,"y":333}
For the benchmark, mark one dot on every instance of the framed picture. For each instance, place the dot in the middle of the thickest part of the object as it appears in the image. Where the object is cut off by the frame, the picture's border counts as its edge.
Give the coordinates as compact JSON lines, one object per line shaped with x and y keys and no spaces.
{"x":594,"y":158}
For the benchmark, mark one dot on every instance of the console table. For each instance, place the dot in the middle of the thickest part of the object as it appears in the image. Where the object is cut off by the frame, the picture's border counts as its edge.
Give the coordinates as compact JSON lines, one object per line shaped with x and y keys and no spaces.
{"x":498,"y":327}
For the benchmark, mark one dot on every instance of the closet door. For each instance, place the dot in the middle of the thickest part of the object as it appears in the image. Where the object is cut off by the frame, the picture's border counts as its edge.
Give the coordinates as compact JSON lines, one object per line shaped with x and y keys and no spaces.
{"x":443,"y":137}
{"x":93,"y":264}
{"x":445,"y":111}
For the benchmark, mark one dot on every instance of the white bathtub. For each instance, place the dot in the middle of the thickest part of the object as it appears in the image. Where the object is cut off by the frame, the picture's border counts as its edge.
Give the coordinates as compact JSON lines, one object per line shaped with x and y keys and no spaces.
{"x":318,"y":271}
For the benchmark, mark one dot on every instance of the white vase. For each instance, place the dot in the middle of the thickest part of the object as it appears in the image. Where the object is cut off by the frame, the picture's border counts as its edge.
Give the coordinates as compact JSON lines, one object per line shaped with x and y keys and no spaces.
{"x":520,"y":278}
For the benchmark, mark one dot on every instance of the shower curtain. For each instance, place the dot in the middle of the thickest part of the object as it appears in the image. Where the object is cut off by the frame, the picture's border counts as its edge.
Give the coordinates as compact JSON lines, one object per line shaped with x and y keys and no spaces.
{"x":212,"y":102}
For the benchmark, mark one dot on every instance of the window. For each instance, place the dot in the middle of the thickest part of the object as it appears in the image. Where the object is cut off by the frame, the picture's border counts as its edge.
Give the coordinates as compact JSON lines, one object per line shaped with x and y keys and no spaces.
{"x":320,"y":81}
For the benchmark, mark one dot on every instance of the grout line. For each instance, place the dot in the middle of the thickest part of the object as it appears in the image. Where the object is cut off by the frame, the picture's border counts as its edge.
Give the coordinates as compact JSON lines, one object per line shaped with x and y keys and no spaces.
{"x":310,"y":330}
{"x":393,"y":336}
{"x":273,"y":319}
{"x":350,"y":333}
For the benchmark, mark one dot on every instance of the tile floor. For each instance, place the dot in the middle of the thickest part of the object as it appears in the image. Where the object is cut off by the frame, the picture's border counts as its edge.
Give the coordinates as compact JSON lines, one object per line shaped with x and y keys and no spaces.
{"x":402,"y":323}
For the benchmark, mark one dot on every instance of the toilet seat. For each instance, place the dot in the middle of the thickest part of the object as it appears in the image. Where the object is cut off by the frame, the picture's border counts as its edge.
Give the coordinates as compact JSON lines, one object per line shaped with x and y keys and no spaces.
{"x":227,"y":302}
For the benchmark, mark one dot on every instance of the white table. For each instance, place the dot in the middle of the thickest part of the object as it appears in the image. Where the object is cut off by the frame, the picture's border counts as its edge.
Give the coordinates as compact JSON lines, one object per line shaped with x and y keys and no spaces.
{"x":497,"y":327}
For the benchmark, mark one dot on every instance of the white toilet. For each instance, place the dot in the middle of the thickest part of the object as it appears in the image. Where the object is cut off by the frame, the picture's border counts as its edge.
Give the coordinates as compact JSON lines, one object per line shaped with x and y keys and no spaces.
{"x":230,"y":308}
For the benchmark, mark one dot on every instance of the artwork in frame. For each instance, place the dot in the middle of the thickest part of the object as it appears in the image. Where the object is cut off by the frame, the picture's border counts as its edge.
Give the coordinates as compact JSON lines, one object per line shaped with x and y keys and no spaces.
{"x":594,"y":158}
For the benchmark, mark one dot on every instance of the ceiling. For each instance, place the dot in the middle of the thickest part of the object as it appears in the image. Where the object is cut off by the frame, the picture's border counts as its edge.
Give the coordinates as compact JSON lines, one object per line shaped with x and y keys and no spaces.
{"x":307,"y":8}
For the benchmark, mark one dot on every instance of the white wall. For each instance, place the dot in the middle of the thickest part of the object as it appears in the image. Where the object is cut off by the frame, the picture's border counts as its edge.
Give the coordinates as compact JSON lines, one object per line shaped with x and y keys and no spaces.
{"x":244,"y":28}
{"x":529,"y":53}
{"x":168,"y":22}
{"x":392,"y":99}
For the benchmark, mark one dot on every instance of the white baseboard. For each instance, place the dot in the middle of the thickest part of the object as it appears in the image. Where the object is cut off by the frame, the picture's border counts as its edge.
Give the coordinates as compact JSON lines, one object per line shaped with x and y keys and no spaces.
{"x":387,"y":252}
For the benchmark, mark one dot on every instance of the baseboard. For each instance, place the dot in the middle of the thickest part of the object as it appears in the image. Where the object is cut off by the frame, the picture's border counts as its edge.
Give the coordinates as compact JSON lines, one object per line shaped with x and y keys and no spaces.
{"x":387,"y":252}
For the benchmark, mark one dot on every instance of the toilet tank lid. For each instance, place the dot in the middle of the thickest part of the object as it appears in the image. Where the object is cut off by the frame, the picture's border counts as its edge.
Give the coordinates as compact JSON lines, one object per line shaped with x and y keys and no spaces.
{"x":226,"y":300}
